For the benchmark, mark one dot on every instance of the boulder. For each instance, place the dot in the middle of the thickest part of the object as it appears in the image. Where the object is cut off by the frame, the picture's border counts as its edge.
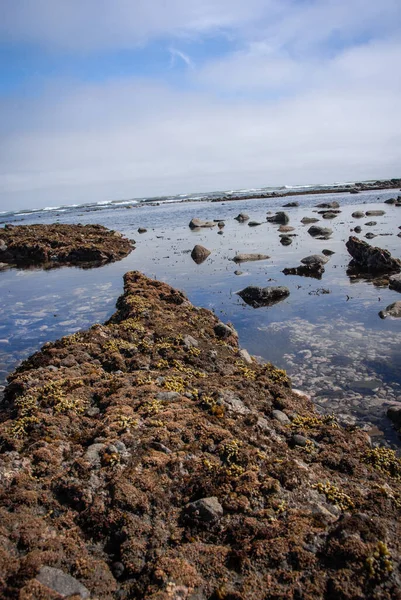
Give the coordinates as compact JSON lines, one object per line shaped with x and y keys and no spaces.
{"x":390,"y":201}
{"x":61,"y":583}
{"x":205,"y":509}
{"x":197,"y":223}
{"x":224,"y":331}
{"x":333,"y":204}
{"x":371,"y":258}
{"x":315,"y":259}
{"x":199,"y":254}
{"x":329,"y":215}
{"x":316,"y":231}
{"x":358,"y":229}
{"x":249,"y":257}
{"x":392,"y":310}
{"x":257,"y":296}
{"x":395,"y":283}
{"x":370,"y":223}
{"x":242,"y":217}
{"x":280,"y":217}
{"x":221,"y":224}
{"x":358,"y":214}
{"x":142,"y":230}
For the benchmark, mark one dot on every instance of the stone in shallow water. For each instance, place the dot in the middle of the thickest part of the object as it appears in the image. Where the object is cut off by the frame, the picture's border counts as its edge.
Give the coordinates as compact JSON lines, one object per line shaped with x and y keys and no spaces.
{"x":395,"y":282}
{"x":392,"y":310}
{"x":257,"y":296}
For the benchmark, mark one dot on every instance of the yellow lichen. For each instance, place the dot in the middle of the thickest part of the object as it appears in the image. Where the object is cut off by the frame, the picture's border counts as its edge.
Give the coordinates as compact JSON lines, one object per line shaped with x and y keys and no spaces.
{"x":380,"y":563}
{"x":385,"y":461}
{"x":334,"y":495}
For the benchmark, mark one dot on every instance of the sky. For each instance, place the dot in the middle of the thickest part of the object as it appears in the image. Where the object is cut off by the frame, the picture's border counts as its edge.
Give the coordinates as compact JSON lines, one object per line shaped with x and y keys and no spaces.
{"x":110,"y":99}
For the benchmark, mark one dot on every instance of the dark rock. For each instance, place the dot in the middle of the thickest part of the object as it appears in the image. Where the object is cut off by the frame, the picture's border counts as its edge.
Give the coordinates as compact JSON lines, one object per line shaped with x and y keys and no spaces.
{"x":314,"y":270}
{"x":370,"y":235}
{"x":394,"y":414}
{"x":286,"y":228}
{"x":291,"y":205}
{"x":371,"y":258}
{"x":327,"y":252}
{"x":238,"y":272}
{"x":392,"y":310}
{"x":358,"y":214}
{"x":199,"y":254}
{"x":390,"y":201}
{"x":197,"y":223}
{"x":224,"y":331}
{"x":254,"y":224}
{"x":329,"y":215}
{"x":257,"y":296}
{"x":395,"y":283}
{"x":280,"y":218}
{"x":142,"y":230}
{"x":242,"y":218}
{"x":61,"y":583}
{"x":285,"y":240}
{"x":333,"y":204}
{"x":221,"y":224}
{"x":249,"y":257}
{"x":315,"y":260}
{"x":370,"y":223}
{"x":205,"y":509}
{"x":358,"y":229}
{"x":315,"y":231}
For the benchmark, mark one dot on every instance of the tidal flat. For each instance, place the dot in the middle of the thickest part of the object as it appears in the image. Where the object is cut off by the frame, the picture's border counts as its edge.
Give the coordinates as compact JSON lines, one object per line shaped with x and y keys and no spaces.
{"x":327,"y":333}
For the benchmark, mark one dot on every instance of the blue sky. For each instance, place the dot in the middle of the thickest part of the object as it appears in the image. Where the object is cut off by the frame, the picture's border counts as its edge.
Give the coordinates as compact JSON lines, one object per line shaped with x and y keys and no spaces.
{"x":106,"y":99}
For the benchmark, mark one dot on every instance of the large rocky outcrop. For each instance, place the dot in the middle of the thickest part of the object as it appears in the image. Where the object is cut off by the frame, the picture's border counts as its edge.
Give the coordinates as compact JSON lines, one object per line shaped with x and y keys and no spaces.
{"x":371,"y":258}
{"x":144,"y":458}
{"x":59,"y":244}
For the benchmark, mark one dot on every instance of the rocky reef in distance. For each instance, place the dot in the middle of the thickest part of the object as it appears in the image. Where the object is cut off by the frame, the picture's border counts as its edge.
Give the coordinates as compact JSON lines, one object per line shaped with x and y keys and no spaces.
{"x":150,"y":457}
{"x":60,"y":244}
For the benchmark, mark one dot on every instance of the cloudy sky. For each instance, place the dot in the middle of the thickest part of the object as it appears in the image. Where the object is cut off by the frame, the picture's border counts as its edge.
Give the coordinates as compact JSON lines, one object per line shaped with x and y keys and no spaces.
{"x":108,"y":99}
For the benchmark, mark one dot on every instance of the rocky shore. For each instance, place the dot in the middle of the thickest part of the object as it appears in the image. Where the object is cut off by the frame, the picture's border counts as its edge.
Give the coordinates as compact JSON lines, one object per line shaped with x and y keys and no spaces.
{"x":388,"y":184}
{"x":150,"y":457}
{"x":59,"y":244}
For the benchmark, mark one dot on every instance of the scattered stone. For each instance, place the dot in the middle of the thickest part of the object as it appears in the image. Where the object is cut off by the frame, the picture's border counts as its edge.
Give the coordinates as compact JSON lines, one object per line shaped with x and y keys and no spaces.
{"x":316,"y":231}
{"x":329,"y":215}
{"x":394,"y":414}
{"x":390,"y":201}
{"x":224,"y":331}
{"x":309,"y":220}
{"x":286,"y":228}
{"x":257,"y":296}
{"x":280,"y":218}
{"x":371,"y":258}
{"x":327,"y":252}
{"x":238,"y":272}
{"x":199,"y":254}
{"x":298,"y":440}
{"x":395,"y":283}
{"x":291,"y":205}
{"x":333,"y":204}
{"x":370,"y":235}
{"x":205,"y":509}
{"x":358,"y":214}
{"x":61,"y":583}
{"x":392,"y":310}
{"x":254,"y":223}
{"x":244,"y":354}
{"x":314,"y":270}
{"x":285,"y":240}
{"x":190,"y":342}
{"x":142,"y":230}
{"x":249,"y":257}
{"x":242,"y":218}
{"x":314,"y":259}
{"x":221,"y":224}
{"x":358,"y":229}
{"x":370,"y":223}
{"x":198,"y":223}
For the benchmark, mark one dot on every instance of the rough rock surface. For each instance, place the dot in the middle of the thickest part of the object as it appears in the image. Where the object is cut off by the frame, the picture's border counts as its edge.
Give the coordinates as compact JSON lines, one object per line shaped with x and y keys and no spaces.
{"x":198,"y":223}
{"x":280,"y":217}
{"x":313,"y":517}
{"x":370,"y":258}
{"x":199,"y":254}
{"x":242,"y":218}
{"x":395,"y":283}
{"x":59,"y":244}
{"x":315,"y":259}
{"x":263,"y":296}
{"x":249,"y":257}
{"x":392,"y":310}
{"x":317,"y":231}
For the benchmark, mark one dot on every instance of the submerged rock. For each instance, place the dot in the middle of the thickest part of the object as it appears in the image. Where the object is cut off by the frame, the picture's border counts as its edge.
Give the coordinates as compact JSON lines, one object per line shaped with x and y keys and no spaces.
{"x":199,"y":254}
{"x":315,"y":260}
{"x":358,"y":214}
{"x":62,"y":583}
{"x":280,"y":217}
{"x":291,"y":204}
{"x":375,"y":213}
{"x":371,"y":258}
{"x":285,"y":240}
{"x":242,"y":217}
{"x":308,"y":220}
{"x":392,"y":310}
{"x":263,"y":296}
{"x":249,"y":257}
{"x":317,"y":231}
{"x":314,"y":270}
{"x":333,"y":204}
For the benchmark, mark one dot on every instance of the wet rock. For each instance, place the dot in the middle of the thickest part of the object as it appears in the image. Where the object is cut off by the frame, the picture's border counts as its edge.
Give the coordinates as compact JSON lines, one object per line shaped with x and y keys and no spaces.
{"x":238,"y":272}
{"x":249,"y":257}
{"x":281,"y":417}
{"x":375,"y":213}
{"x":371,"y":258}
{"x":370,"y":223}
{"x":390,"y":201}
{"x":358,"y":214}
{"x":197,"y":223}
{"x":316,"y":231}
{"x":285,"y":240}
{"x":242,"y":218}
{"x":254,"y":223}
{"x":329,"y":215}
{"x":285,"y":228}
{"x":370,"y":235}
{"x":314,"y":270}
{"x":309,"y":220}
{"x":392,"y":310}
{"x":205,"y":509}
{"x":327,"y":252}
{"x":358,"y":229}
{"x":199,"y":254}
{"x":395,"y":283}
{"x":221,"y":224}
{"x":280,"y":218}
{"x":257,"y":296}
{"x":142,"y":230}
{"x":291,"y":205}
{"x":314,"y":260}
{"x":61,"y":583}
